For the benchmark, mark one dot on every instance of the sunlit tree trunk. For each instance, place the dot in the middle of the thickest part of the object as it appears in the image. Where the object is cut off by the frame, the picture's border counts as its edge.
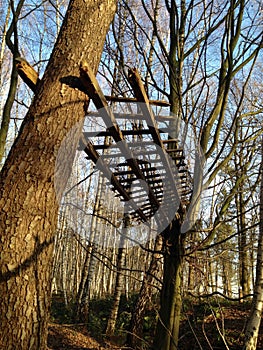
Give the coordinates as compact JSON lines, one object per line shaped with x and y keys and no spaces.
{"x":243,"y":250}
{"x":244,"y":288}
{"x":252,"y":328}
{"x":29,"y":202}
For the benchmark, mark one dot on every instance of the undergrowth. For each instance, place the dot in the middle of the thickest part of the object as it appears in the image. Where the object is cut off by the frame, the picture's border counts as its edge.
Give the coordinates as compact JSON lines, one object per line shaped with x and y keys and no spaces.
{"x":205,"y":324}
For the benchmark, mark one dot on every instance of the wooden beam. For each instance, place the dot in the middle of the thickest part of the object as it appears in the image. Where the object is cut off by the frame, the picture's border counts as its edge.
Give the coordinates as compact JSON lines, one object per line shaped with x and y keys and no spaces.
{"x":141,"y":95}
{"x":161,"y":103}
{"x":131,"y":132}
{"x":27,"y":73}
{"x":135,"y":116}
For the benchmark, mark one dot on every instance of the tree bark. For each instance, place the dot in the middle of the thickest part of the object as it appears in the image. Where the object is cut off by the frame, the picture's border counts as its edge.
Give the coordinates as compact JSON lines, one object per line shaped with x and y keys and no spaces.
{"x":167,"y":331}
{"x":29,"y":201}
{"x":252,"y":328}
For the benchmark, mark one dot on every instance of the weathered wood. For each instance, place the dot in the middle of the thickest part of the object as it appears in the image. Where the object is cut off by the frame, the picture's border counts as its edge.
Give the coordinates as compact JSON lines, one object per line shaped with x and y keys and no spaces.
{"x":27,"y":73}
{"x":135,"y":116}
{"x":95,"y":157}
{"x":125,"y":173}
{"x":170,"y":140}
{"x":124,"y":132}
{"x":161,"y":103}
{"x":93,"y":90}
{"x":141,"y":95}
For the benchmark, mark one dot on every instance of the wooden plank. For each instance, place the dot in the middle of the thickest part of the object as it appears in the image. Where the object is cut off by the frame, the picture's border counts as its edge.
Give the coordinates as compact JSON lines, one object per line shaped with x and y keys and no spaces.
{"x":124,"y":172}
{"x":102,"y":146}
{"x":136,"y":116}
{"x":161,"y":103}
{"x":175,"y":150}
{"x":138,"y":132}
{"x":138,"y":160}
{"x":170,"y":140}
{"x":141,"y":95}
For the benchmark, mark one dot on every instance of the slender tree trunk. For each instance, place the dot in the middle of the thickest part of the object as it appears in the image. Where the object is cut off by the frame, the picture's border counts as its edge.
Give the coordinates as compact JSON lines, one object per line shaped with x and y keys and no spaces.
{"x":167,"y":332}
{"x":119,"y":284}
{"x":252,"y":328}
{"x":226,"y":277}
{"x":244,"y":288}
{"x":243,"y":251}
{"x":3,"y":43}
{"x":145,"y":294}
{"x":29,"y":202}
{"x":81,"y":307}
{"x":6,"y":117}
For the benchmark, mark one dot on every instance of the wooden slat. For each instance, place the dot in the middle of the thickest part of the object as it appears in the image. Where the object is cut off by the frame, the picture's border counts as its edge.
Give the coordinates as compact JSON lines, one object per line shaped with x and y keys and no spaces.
{"x":175,"y":150}
{"x":110,"y":176}
{"x":136,"y":116}
{"x":138,"y":132}
{"x":161,"y":103}
{"x":141,"y":96}
{"x":170,"y":140}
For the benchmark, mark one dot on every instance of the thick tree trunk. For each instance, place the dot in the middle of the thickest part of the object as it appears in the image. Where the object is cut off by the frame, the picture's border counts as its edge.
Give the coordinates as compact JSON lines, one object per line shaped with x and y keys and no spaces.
{"x":167,"y":332}
{"x":29,"y":202}
{"x":252,"y":328}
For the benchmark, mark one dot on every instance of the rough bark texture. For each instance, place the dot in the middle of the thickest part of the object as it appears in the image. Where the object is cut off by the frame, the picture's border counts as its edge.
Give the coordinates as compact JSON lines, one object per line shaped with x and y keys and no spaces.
{"x":167,"y":332}
{"x":252,"y":328}
{"x":29,"y":202}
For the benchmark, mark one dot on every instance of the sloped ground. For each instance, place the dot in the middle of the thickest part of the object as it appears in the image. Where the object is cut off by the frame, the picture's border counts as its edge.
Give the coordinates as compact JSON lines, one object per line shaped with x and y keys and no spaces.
{"x":73,"y":338}
{"x":62,"y":337}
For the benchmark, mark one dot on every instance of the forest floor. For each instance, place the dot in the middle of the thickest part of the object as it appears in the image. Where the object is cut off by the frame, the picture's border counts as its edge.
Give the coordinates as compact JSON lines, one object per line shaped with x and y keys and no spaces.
{"x":217,"y":327}
{"x":68,"y":337}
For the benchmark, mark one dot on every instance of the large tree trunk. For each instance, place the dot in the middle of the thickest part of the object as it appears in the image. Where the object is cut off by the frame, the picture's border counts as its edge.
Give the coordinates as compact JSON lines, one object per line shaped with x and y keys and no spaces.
{"x":252,"y":328}
{"x":29,"y":202}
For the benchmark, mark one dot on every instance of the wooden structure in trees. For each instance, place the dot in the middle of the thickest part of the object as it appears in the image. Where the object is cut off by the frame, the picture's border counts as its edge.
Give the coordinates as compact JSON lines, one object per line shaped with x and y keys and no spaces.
{"x":138,"y":152}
